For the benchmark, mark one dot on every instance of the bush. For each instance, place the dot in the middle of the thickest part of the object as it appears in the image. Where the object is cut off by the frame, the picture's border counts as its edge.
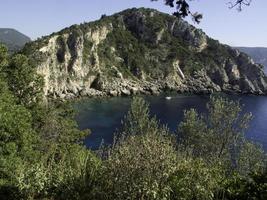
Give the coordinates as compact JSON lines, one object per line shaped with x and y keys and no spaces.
{"x":195,"y":179}
{"x":219,"y":136}
{"x":139,"y":168}
{"x":254,"y":186}
{"x":142,"y":160}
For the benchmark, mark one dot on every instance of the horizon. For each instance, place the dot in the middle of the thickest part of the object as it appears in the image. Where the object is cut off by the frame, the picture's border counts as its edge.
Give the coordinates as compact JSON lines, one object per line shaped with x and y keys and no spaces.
{"x":38,"y":19}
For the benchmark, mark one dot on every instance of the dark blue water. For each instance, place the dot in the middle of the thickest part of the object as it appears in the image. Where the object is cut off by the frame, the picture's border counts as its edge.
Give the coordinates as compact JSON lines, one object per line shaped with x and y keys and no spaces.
{"x":103,"y":116}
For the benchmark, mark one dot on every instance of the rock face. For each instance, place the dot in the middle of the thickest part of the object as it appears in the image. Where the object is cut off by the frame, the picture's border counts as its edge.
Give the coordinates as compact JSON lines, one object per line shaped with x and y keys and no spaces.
{"x":140,"y":51}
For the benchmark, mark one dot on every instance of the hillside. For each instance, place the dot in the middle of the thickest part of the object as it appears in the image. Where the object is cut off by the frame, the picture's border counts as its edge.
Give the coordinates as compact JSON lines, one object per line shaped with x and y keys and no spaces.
{"x":259,"y":54}
{"x":13,"y":39}
{"x":140,"y":51}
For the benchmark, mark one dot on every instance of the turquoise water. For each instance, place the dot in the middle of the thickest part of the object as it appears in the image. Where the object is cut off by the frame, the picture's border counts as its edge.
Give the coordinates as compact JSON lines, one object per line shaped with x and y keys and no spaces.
{"x":103,"y":116}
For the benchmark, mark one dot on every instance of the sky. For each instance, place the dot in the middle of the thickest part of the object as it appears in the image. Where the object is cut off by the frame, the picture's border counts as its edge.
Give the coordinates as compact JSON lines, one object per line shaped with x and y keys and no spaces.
{"x":37,"y":18}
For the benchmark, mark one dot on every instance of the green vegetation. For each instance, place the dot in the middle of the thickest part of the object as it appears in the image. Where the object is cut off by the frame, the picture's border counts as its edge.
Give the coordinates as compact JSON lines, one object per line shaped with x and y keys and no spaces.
{"x":147,"y":161}
{"x":42,"y":156}
{"x":127,"y":47}
{"x":61,"y":50}
{"x":22,"y":80}
{"x":149,"y":46}
{"x":40,"y":151}
{"x":87,"y":47}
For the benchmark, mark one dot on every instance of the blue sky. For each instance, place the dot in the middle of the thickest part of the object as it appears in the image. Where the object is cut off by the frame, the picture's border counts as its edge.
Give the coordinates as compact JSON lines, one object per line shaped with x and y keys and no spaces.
{"x":36,"y":18}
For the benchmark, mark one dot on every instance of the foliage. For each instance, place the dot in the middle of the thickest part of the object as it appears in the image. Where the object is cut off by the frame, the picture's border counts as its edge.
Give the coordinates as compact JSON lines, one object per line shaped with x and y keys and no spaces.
{"x":18,"y":142}
{"x":251,"y":159}
{"x":60,"y":178}
{"x":58,"y":124}
{"x":195,"y":179}
{"x":139,"y":168}
{"x":61,"y":50}
{"x":141,"y":161}
{"x":3,"y":57}
{"x":42,"y":155}
{"x":65,"y":162}
{"x":23,"y":80}
{"x":152,"y":49}
{"x":252,"y":187}
{"x":138,"y":120}
{"x":220,"y":135}
{"x":145,"y":161}
{"x":86,"y":51}
{"x":127,"y":47}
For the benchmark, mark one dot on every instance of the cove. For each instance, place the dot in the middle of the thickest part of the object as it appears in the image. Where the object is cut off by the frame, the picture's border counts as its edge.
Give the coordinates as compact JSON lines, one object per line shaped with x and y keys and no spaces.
{"x":103,"y":116}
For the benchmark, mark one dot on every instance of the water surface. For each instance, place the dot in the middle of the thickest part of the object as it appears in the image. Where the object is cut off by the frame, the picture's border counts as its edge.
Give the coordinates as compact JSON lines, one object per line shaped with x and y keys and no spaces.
{"x":103,"y":116}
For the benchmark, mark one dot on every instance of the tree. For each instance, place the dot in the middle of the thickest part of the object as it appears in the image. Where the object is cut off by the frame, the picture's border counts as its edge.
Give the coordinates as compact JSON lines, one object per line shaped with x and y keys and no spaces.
{"x":3,"y":57}
{"x":219,"y":136}
{"x":40,"y":144}
{"x":17,"y":139}
{"x":62,"y":170}
{"x":147,"y":163}
{"x":252,"y":187}
{"x":183,"y":7}
{"x":196,"y":179}
{"x":138,"y":120}
{"x":57,"y":124}
{"x":23,"y":80}
{"x":142,"y":160}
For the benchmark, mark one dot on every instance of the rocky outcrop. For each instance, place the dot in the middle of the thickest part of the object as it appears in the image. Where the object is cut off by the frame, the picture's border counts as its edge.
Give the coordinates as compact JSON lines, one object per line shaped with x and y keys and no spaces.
{"x":140,"y":51}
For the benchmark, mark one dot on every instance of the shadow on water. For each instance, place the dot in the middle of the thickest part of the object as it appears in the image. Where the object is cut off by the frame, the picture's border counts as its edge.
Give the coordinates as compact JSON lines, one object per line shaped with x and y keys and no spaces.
{"x":103,"y":116}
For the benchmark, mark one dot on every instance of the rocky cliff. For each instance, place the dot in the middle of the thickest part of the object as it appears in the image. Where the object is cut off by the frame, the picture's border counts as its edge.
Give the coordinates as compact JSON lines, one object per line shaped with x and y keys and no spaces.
{"x":140,"y":51}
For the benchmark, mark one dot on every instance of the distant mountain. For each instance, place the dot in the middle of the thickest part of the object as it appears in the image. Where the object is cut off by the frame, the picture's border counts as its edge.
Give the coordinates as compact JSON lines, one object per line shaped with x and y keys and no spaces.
{"x":13,"y":39}
{"x":259,"y":54}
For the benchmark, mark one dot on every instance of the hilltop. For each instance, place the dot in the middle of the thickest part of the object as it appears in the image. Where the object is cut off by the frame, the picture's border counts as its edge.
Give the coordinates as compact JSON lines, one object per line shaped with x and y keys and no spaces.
{"x":13,"y":39}
{"x":140,"y":51}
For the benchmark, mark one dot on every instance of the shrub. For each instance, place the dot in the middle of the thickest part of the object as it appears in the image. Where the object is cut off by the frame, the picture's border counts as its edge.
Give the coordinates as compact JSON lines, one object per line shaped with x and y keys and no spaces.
{"x":195,"y":179}
{"x":254,"y":186}
{"x":142,"y":160}
{"x":219,"y":136}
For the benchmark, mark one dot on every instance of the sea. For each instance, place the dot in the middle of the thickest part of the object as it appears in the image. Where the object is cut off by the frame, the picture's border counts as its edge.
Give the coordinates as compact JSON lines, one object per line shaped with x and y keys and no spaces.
{"x":103,"y":116}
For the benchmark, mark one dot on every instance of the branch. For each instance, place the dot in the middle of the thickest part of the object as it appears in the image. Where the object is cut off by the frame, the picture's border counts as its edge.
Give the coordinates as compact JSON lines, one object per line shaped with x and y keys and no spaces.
{"x":183,"y":7}
{"x":239,"y":4}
